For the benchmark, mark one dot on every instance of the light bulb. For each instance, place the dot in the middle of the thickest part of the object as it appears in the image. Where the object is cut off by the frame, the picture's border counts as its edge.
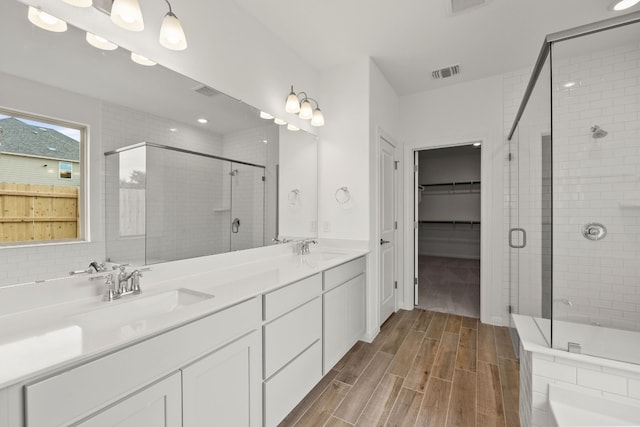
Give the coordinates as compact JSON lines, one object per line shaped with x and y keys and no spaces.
{"x":171,"y":33}
{"x":45,"y":21}
{"x":318,"y":118}
{"x":306,"y":110}
{"x":624,"y":4}
{"x":292,"y":105}
{"x":292,"y":128}
{"x":142,"y":60}
{"x":79,"y":3}
{"x":127,"y":14}
{"x":100,"y":42}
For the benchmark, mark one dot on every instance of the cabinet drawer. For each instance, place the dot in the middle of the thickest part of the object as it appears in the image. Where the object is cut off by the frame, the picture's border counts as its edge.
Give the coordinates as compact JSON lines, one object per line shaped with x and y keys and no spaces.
{"x":289,"y":335}
{"x":83,"y":390}
{"x":286,"y":389}
{"x":342,"y":273}
{"x":284,"y":299}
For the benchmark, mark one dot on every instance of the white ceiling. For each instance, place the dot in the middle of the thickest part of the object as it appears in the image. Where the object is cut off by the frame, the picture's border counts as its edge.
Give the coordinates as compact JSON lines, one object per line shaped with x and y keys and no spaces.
{"x":408,"y":39}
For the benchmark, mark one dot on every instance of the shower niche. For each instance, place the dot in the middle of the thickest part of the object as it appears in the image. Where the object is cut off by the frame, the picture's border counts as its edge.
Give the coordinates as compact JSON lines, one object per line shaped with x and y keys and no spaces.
{"x":165,"y":204}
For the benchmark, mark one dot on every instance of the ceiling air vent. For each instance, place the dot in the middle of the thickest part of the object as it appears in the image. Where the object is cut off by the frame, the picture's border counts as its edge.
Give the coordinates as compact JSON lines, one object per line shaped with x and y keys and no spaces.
{"x":443,"y":73}
{"x":457,"y":6}
{"x":206,"y":90}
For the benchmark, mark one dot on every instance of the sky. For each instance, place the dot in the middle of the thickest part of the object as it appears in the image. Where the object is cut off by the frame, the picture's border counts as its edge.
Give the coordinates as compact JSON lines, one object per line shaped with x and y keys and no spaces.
{"x":70,"y":132}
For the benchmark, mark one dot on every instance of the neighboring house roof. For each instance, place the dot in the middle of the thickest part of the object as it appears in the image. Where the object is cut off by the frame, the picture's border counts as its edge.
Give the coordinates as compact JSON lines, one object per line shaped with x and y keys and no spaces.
{"x":18,"y":137}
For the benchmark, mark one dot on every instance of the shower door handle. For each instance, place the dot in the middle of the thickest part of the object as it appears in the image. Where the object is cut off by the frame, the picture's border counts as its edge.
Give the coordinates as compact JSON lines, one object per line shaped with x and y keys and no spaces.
{"x":524,"y":238}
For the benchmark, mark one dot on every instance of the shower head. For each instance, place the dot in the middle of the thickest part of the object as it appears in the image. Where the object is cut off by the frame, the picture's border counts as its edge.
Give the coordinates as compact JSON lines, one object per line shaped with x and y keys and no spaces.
{"x":597,"y":132}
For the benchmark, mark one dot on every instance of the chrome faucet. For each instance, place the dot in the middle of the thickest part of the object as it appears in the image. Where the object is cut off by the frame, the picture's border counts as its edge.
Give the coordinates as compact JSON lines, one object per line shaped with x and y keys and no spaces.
{"x":302,"y":247}
{"x":127,"y":283}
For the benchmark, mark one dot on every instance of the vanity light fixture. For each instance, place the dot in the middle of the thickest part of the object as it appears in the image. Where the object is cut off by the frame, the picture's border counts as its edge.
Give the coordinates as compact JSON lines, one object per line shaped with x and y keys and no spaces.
{"x":292,"y":128}
{"x":142,"y":60}
{"x":79,"y":3}
{"x":300,"y":104}
{"x":127,"y":14}
{"x":100,"y":42}
{"x":624,"y":4}
{"x":279,"y":122}
{"x":203,"y":120}
{"x":45,"y":21}
{"x":265,"y":116}
{"x":173,"y":129}
{"x":171,"y":32}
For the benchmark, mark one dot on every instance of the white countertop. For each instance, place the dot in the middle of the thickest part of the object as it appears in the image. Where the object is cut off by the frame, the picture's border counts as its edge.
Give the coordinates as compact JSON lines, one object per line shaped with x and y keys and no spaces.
{"x":47,"y":337}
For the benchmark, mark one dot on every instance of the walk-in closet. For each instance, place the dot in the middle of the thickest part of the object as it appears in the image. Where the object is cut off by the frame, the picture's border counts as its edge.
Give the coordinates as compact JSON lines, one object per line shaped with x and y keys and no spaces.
{"x":448,"y":182}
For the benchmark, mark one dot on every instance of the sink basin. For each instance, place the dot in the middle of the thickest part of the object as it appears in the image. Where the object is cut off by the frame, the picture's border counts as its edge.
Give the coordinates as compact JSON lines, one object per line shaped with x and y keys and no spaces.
{"x":137,"y":310}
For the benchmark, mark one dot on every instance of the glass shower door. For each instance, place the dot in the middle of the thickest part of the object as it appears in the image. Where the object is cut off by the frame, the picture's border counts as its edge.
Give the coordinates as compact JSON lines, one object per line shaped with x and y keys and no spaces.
{"x":247,"y":186}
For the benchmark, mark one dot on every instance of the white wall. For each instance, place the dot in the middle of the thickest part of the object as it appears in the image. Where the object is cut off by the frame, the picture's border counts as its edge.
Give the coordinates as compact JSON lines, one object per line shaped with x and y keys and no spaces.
{"x":458,"y":115}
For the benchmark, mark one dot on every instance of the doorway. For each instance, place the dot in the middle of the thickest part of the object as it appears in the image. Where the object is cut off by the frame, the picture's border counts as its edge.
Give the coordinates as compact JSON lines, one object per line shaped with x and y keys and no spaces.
{"x":448,"y":229}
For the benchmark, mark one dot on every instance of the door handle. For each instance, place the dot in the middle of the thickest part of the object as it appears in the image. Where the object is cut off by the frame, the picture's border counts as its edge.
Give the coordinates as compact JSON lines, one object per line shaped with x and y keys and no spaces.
{"x":382,"y":241}
{"x":524,"y":238}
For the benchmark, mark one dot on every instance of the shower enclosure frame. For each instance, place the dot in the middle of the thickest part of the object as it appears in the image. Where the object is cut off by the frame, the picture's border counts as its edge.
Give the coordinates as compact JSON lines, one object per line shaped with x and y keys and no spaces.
{"x":545,"y":57}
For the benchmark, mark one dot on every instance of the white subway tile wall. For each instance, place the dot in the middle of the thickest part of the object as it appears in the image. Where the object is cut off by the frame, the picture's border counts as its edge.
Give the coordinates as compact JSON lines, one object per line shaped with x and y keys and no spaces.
{"x":584,"y":377}
{"x":597,"y":180}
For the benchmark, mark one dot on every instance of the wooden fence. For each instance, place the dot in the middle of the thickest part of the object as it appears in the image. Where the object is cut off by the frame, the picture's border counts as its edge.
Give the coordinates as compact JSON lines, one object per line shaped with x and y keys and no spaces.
{"x":30,"y":212}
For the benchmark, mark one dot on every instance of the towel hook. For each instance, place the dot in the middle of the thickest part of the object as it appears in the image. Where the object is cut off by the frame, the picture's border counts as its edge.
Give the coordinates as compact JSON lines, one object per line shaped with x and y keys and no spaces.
{"x":342,"y":195}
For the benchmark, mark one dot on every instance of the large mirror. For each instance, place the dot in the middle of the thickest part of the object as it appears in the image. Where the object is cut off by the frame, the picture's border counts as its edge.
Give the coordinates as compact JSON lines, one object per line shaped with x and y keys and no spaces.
{"x":174,"y":186}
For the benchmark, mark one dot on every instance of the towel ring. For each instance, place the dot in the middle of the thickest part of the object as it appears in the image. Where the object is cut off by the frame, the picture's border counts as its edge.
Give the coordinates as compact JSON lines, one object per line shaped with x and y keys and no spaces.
{"x":342,"y":195}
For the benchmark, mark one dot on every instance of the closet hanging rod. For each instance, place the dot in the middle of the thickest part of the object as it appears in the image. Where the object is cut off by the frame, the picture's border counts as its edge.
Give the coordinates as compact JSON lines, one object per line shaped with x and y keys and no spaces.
{"x":440,"y":184}
{"x":450,"y":222}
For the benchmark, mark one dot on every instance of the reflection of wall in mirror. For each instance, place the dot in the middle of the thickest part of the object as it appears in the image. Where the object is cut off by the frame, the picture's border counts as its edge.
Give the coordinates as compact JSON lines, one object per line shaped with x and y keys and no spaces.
{"x":298,"y":170}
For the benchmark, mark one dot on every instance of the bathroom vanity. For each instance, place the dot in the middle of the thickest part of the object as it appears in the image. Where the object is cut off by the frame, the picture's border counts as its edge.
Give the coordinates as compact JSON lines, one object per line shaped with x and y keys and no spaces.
{"x":223,"y":344}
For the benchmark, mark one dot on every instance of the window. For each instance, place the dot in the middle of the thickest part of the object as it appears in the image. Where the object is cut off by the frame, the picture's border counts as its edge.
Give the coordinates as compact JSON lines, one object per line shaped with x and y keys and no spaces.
{"x":40,"y":179}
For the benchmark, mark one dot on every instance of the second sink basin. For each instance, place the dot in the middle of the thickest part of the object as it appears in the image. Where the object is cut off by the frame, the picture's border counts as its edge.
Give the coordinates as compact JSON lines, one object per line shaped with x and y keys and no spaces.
{"x":133,"y":310}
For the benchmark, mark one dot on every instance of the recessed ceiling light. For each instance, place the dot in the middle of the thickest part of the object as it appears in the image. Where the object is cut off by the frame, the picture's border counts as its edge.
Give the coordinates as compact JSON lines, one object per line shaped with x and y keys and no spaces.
{"x":173,"y":129}
{"x":266,"y":116}
{"x":624,"y":4}
{"x":265,"y":141}
{"x":202,"y":120}
{"x":279,"y":121}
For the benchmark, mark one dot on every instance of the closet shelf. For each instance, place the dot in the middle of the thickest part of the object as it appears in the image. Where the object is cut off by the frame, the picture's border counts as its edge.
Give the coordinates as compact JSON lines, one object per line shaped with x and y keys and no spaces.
{"x":440,"y":184}
{"x":448,"y":188}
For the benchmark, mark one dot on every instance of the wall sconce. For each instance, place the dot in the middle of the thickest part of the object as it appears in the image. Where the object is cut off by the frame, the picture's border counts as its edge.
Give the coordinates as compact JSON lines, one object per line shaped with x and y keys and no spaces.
{"x":300,"y":104}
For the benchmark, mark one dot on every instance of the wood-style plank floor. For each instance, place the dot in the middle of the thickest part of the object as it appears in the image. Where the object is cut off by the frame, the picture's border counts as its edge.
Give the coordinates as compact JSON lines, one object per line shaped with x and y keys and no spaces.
{"x":423,"y":369}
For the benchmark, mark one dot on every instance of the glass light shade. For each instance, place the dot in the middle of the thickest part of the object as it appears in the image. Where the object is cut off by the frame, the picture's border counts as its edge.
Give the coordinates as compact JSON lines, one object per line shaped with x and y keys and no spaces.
{"x":318,"y":118}
{"x":45,"y":21}
{"x":127,"y":14}
{"x":142,"y":60}
{"x":625,"y":4}
{"x":279,"y":121}
{"x":171,"y":33}
{"x":292,"y":128}
{"x":292,"y":105}
{"x":100,"y":42}
{"x":79,"y":3}
{"x":306,"y":110}
{"x":266,"y":116}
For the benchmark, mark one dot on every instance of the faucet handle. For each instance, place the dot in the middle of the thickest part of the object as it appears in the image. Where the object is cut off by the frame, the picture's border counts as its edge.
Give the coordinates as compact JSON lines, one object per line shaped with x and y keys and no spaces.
{"x":135,"y":282}
{"x":110,"y":293}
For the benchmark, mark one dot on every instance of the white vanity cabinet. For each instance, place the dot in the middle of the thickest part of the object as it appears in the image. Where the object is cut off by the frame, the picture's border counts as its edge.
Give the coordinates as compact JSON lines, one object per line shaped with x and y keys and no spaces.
{"x":205,"y":369}
{"x":344,"y":309}
{"x":292,"y":335}
{"x":157,"y":405}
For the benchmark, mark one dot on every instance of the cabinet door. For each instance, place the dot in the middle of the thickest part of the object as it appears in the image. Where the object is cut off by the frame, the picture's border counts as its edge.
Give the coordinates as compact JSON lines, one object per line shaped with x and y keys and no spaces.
{"x":156,"y":405}
{"x":223,"y":388}
{"x":335,"y":332}
{"x":355,"y":310}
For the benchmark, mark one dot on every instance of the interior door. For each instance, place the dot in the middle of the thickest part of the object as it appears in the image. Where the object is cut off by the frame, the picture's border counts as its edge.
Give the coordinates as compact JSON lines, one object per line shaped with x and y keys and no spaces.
{"x":416,"y":216}
{"x":387,"y":230}
{"x":515,"y":230}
